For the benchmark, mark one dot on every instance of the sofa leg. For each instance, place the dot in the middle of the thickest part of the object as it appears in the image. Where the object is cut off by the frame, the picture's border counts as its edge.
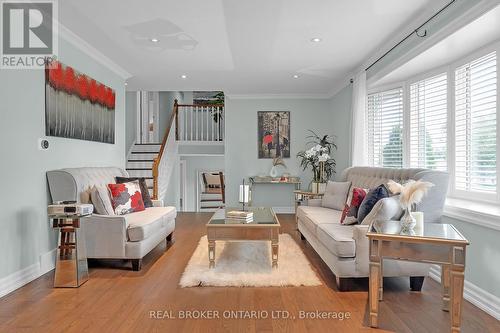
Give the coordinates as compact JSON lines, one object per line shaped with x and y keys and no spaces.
{"x":170,"y":237}
{"x":416,"y":283}
{"x":302,"y":236}
{"x":341,"y":283}
{"x":136,"y":264}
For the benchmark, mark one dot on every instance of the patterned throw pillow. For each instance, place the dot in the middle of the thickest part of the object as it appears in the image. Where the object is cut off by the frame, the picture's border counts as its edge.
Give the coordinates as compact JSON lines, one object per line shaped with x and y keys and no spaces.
{"x":146,"y":198}
{"x":126,"y":198}
{"x":350,"y":212}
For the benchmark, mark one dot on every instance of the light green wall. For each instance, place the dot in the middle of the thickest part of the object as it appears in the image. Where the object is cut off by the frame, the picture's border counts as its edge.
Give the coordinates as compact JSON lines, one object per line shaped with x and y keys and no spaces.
{"x":241,"y":143}
{"x":341,"y":126}
{"x":26,"y":233}
{"x":483,"y":255}
{"x":166,"y":101}
{"x":130,"y":119}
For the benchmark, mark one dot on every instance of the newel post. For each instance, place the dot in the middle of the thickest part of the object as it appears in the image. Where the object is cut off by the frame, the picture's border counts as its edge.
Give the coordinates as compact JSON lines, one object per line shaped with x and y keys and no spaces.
{"x":155,"y":179}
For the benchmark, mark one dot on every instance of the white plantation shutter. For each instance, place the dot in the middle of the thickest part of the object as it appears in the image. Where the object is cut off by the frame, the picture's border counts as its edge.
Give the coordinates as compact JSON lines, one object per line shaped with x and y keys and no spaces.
{"x":475,"y":125}
{"x":385,"y":128}
{"x":428,"y":118}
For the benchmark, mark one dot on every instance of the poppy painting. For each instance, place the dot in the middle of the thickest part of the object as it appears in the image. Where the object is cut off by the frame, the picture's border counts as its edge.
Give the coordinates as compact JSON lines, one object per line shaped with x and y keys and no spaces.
{"x":77,"y":106}
{"x":273,"y":134}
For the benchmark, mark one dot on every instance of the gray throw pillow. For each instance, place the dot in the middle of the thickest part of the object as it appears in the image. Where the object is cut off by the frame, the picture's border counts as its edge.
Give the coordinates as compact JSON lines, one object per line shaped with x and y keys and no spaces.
{"x":335,"y":195}
{"x":384,"y":210}
{"x":101,"y":199}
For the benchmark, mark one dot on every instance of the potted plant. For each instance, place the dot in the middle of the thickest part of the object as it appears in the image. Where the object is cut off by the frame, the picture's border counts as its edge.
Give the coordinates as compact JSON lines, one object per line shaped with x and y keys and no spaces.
{"x":319,"y":159}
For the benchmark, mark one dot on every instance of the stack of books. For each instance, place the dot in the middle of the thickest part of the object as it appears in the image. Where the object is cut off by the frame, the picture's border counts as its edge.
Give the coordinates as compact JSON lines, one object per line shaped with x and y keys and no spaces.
{"x":238,"y":215}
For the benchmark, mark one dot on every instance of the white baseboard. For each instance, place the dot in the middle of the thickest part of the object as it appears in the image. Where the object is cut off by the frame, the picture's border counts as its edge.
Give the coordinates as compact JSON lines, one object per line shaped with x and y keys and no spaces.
{"x":487,"y":302}
{"x":24,"y":276}
{"x":284,"y":210}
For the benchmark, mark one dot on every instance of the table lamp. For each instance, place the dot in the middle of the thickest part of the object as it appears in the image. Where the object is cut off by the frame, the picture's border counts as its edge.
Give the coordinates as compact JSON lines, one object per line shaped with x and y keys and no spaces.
{"x":244,"y":197}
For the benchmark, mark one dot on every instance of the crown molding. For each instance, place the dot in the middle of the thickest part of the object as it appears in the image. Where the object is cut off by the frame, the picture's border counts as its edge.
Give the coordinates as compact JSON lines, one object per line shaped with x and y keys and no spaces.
{"x":85,"y":47}
{"x":278,"y":96}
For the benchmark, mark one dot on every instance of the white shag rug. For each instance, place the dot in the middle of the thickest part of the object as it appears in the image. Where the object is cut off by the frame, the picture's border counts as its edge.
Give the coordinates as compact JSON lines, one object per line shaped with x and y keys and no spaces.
{"x":248,"y":264}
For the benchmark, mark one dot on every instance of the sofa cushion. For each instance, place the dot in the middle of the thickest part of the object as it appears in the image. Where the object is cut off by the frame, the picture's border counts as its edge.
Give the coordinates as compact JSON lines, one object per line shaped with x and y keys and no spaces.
{"x":335,"y":195}
{"x":126,"y":198}
{"x":370,"y":200}
{"x":146,"y":198}
{"x":354,"y":200}
{"x":143,"y":224}
{"x":313,"y":216}
{"x":101,"y":199}
{"x":384,"y":210}
{"x":338,"y":239}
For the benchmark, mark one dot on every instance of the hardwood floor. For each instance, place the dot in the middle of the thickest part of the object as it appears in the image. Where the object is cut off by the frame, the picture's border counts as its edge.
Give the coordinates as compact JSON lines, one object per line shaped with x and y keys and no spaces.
{"x":116,"y":299}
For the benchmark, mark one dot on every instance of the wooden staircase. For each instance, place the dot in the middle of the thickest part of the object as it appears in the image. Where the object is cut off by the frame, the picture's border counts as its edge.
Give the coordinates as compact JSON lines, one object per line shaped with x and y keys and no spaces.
{"x":140,"y":162}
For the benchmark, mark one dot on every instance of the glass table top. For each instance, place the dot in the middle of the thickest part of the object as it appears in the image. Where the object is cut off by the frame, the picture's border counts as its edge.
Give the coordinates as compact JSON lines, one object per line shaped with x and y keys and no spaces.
{"x":261,"y":215}
{"x":429,"y":231}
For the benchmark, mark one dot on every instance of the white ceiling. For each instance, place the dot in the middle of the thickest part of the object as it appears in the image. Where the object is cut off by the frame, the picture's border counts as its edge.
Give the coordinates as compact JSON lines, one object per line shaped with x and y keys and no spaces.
{"x":241,"y":47}
{"x":477,"y":34}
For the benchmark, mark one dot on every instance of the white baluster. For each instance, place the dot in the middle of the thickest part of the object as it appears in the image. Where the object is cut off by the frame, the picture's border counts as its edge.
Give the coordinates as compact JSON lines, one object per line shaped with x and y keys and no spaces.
{"x":212,"y":121}
{"x":196,"y":118}
{"x":191,"y":122}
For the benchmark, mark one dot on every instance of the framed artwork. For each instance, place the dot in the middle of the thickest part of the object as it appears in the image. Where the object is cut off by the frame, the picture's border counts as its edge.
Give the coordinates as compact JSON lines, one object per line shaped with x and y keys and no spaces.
{"x":273,"y":134}
{"x":77,"y":106}
{"x":208,"y":97}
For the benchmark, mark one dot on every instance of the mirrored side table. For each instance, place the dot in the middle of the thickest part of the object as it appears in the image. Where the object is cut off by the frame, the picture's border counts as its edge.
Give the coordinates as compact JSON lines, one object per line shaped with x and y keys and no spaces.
{"x":71,"y":259}
{"x":435,"y":243}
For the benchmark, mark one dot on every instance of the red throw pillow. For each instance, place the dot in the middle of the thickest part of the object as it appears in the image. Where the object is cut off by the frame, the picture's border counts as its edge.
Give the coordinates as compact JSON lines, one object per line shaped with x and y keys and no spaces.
{"x":354,"y":200}
{"x":126,"y":198}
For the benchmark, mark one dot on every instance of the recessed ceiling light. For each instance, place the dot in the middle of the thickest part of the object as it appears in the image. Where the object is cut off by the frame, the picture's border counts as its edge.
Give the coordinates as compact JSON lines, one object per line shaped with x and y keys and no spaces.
{"x":126,"y":83}
{"x":183,"y":76}
{"x":155,"y":40}
{"x":316,"y":39}
{"x":295,"y":76}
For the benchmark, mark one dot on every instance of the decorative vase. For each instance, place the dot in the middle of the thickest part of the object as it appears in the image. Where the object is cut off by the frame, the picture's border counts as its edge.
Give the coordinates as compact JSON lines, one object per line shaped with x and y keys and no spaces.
{"x":274,"y":171}
{"x":318,"y":187}
{"x":408,"y":222}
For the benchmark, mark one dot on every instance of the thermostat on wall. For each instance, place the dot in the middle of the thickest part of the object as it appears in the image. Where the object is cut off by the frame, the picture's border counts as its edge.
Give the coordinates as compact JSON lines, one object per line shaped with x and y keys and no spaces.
{"x":43,"y":144}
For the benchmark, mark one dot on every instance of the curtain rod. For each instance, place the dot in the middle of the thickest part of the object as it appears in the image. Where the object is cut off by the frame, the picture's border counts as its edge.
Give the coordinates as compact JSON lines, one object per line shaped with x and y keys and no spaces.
{"x":409,"y":35}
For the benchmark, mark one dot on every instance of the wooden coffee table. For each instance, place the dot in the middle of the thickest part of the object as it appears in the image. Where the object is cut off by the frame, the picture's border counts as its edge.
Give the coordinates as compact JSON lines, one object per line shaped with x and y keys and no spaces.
{"x":264,"y":227}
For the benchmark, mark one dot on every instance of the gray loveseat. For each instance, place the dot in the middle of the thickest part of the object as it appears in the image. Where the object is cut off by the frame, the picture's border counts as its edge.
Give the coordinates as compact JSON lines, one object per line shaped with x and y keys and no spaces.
{"x":129,"y":236}
{"x":345,"y":248}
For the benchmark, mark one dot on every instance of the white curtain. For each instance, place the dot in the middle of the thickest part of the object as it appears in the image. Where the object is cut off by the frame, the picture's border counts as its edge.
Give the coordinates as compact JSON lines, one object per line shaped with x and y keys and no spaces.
{"x":358,"y":123}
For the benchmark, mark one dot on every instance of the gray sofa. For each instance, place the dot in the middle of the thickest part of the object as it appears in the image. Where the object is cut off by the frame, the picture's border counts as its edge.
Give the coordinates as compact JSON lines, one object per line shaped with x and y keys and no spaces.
{"x":129,"y":236}
{"x":345,"y":248}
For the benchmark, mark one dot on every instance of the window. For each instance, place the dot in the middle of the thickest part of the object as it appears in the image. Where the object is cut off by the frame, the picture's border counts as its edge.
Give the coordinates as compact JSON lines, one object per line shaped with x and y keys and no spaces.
{"x":444,"y":121}
{"x":428,"y":118}
{"x":385,"y":128}
{"x":475,"y":125}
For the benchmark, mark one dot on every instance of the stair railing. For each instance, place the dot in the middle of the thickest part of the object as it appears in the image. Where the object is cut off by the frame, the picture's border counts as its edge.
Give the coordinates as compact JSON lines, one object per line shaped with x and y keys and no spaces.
{"x":200,"y":122}
{"x":168,"y":142}
{"x":188,"y":122}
